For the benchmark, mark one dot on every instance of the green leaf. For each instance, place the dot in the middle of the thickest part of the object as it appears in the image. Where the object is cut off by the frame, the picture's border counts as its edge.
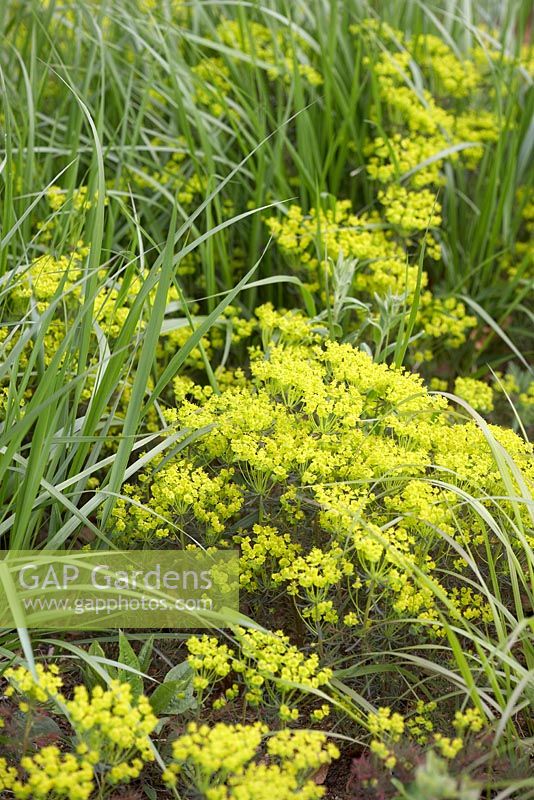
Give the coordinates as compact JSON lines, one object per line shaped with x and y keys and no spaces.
{"x":145,"y":654}
{"x":175,"y":695}
{"x":129,"y":658}
{"x":161,"y":698}
{"x":91,"y":676}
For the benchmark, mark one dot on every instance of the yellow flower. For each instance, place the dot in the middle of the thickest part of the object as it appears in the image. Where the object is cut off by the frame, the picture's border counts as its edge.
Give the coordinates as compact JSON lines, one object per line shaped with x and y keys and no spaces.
{"x":477,"y":393}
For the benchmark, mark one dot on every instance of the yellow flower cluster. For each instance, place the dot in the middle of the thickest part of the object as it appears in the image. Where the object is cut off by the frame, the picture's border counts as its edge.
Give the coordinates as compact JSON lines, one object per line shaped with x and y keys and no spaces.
{"x":385,"y":724}
{"x":420,"y":723}
{"x":8,"y":776}
{"x":211,"y":660}
{"x":411,"y":211}
{"x":336,"y":444}
{"x":382,"y":262}
{"x":265,"y":664}
{"x":40,"y":687}
{"x":255,"y":44}
{"x":178,"y":494}
{"x":527,"y":398}
{"x":214,"y":85}
{"x":520,"y":388}
{"x":114,"y":725}
{"x":179,"y":9}
{"x":112,"y":737}
{"x":453,"y":77}
{"x":480,"y":128}
{"x":392,"y":158}
{"x":306,"y":750}
{"x":222,"y":748}
{"x":445,"y":318}
{"x":314,"y":575}
{"x":418,"y":134}
{"x":381,"y":751}
{"x":337,"y":230}
{"x":477,"y":393}
{"x":278,"y":326}
{"x":220,"y":762}
{"x":272,"y":656}
{"x":44,"y":278}
{"x":458,"y":81}
{"x":50,"y":774}
{"x":447,"y":746}
{"x":386,"y":728}
{"x":51,"y":278}
{"x":261,"y":44}
{"x":57,"y":197}
{"x":469,"y":720}
{"x":231,"y":325}
{"x":260,"y":552}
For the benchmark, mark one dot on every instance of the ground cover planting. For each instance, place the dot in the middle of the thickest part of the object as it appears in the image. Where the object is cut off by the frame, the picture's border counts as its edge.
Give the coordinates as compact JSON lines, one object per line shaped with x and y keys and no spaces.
{"x":266,"y":279}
